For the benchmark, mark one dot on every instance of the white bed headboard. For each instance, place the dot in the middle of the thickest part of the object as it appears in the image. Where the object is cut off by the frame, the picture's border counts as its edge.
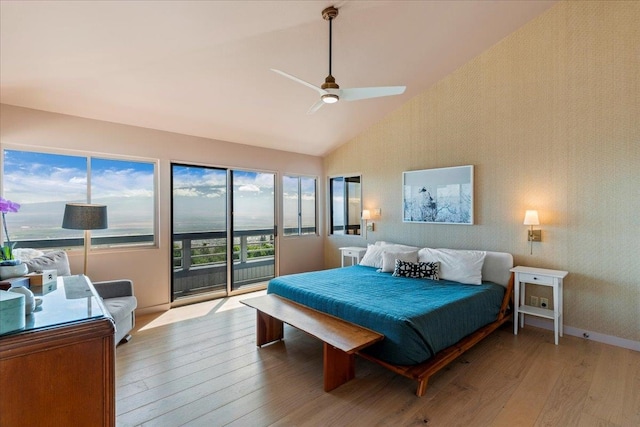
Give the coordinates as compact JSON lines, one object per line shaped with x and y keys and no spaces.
{"x":496,"y":267}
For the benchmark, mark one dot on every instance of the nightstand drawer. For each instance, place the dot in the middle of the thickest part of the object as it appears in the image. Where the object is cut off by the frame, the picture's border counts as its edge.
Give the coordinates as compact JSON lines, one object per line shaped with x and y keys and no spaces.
{"x":351,"y":252}
{"x":535,"y":278}
{"x":354,"y":252}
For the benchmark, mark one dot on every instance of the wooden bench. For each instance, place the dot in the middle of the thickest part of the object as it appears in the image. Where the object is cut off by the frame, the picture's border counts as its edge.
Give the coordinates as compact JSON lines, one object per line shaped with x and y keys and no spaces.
{"x":341,"y":339}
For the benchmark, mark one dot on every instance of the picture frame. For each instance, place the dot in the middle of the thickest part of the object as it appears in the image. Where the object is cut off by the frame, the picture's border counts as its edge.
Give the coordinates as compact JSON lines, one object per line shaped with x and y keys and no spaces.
{"x":438,"y":196}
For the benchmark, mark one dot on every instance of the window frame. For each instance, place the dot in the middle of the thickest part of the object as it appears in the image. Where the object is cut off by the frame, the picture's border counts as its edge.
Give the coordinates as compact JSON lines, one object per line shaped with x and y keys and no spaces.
{"x":299,"y":179}
{"x":345,"y":195}
{"x":97,"y":243}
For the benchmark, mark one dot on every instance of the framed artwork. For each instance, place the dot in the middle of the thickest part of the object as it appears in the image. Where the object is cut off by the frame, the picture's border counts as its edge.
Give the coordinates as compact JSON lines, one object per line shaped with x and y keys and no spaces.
{"x":438,"y":196}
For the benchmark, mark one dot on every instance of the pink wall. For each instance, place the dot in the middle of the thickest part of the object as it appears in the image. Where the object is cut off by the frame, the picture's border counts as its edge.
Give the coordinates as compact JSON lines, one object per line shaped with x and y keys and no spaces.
{"x":22,"y":128}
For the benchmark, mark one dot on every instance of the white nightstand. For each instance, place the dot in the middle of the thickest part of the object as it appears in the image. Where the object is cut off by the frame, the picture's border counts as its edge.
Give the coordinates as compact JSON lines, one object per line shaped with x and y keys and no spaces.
{"x":354,"y":252}
{"x":543,"y":277}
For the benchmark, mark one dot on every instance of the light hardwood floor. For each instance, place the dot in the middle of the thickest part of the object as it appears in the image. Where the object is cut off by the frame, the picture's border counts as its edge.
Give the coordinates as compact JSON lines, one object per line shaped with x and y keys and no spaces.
{"x":198,"y":365}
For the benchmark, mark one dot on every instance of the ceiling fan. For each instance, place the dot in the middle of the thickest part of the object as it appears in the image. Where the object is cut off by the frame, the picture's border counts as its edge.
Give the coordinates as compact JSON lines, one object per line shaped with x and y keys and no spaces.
{"x":329,"y":91}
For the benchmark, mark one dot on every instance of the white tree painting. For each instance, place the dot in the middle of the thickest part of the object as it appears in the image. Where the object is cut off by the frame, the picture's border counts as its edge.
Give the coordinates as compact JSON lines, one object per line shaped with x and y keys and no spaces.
{"x":442,"y":196}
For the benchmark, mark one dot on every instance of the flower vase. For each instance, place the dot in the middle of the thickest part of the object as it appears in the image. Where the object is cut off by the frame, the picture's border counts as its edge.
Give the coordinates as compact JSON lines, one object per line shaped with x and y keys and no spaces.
{"x":9,"y":271}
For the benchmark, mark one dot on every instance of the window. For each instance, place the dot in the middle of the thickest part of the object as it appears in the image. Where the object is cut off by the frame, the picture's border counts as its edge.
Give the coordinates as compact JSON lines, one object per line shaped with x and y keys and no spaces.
{"x":42,"y":183}
{"x":299,"y":205}
{"x":345,"y":205}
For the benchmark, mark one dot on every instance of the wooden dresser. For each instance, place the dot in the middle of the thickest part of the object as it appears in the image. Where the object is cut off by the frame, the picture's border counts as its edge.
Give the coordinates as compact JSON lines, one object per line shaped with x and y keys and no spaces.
{"x":59,"y":370}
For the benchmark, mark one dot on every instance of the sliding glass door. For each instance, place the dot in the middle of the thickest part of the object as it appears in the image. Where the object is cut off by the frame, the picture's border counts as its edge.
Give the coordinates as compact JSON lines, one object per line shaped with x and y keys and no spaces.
{"x":199,"y":234}
{"x":253,"y":229}
{"x":223,"y":232}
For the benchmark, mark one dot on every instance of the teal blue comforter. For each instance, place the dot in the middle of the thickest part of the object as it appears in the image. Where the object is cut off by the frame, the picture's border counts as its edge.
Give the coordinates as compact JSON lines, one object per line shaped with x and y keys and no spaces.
{"x":418,"y":317}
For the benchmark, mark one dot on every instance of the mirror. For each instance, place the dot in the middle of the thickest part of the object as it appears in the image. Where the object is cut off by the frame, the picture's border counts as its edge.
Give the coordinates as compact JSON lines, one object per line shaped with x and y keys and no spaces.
{"x":345,"y":193}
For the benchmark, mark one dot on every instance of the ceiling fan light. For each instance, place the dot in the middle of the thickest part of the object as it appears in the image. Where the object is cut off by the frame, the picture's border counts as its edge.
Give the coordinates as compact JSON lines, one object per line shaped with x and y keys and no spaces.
{"x":330,"y":98}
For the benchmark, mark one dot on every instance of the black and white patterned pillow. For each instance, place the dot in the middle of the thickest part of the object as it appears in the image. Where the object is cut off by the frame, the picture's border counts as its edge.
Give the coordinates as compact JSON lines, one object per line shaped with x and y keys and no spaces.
{"x":404,"y":269}
{"x":421,"y":270}
{"x":429,"y":270}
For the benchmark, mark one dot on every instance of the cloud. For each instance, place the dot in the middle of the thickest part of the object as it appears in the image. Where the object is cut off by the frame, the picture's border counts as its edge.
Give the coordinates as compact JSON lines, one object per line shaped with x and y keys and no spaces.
{"x":186,"y":192}
{"x":77,"y":180}
{"x":249,"y":187}
{"x":122,"y":183}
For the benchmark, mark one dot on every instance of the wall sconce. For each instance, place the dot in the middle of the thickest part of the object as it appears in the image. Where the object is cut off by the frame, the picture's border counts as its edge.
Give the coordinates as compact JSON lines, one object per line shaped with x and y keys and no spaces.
{"x":366,"y":216}
{"x":531,"y":219}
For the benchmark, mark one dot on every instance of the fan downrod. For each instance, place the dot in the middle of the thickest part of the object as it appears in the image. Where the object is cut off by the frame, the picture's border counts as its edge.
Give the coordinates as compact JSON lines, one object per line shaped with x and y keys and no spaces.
{"x":329,"y":14}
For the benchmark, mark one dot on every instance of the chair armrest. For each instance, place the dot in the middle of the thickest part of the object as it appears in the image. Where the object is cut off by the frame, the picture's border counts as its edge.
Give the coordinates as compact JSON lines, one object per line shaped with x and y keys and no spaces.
{"x":114,"y":288}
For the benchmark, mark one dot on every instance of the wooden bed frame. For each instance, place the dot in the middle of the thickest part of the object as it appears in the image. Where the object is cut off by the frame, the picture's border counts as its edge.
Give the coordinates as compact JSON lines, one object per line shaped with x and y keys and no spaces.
{"x":343,"y":340}
{"x":421,"y":372}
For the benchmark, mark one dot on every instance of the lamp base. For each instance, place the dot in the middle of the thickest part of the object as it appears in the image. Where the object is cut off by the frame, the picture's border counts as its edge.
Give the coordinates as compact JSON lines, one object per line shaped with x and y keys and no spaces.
{"x":535,"y":236}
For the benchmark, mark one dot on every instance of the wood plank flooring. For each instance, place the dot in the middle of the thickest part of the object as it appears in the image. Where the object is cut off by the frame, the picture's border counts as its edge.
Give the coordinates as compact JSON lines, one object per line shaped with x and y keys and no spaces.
{"x":199,"y":366}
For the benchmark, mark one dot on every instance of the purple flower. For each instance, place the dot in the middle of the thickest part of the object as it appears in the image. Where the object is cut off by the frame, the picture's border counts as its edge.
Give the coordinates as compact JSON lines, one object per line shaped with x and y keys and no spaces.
{"x":8,"y":206}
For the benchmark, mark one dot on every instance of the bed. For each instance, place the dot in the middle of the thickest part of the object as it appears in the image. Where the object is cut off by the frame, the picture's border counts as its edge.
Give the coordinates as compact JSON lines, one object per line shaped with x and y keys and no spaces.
{"x":426,"y":323}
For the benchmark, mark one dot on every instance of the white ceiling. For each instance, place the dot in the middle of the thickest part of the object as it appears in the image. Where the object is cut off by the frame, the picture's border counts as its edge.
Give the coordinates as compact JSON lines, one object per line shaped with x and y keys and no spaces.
{"x":202,"y":67}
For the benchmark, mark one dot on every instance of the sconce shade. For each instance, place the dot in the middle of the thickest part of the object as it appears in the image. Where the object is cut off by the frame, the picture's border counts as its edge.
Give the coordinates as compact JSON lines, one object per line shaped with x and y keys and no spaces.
{"x":366,"y":214}
{"x":531,"y":218}
{"x":83,"y":216}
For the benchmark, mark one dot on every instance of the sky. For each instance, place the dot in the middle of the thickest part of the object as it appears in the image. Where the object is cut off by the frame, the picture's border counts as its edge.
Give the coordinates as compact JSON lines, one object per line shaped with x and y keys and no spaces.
{"x":42,"y":183}
{"x":31,"y":177}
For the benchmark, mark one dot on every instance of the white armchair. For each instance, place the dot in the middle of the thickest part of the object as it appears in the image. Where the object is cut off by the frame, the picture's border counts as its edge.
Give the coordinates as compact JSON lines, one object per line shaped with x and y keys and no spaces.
{"x":121,"y":303}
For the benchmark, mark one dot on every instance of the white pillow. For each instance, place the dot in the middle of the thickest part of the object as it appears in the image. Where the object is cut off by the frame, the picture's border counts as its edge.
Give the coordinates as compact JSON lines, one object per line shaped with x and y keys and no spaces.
{"x":389,"y":259}
{"x":26,"y":254}
{"x":456,"y":265}
{"x":396,"y":246}
{"x":373,"y":256}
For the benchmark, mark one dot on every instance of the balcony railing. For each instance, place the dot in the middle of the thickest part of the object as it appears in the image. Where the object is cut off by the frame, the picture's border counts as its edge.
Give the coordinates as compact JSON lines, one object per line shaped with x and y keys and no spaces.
{"x":200,"y":260}
{"x":65,"y":243}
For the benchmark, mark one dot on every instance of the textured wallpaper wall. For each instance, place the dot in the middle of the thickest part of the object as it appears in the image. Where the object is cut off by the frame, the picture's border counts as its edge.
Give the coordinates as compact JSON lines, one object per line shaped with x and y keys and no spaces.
{"x":550,"y":117}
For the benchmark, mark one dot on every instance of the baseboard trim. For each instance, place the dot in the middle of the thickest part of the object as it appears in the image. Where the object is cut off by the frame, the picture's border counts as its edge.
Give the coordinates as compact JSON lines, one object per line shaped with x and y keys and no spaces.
{"x":582,"y":333}
{"x":152,"y":309}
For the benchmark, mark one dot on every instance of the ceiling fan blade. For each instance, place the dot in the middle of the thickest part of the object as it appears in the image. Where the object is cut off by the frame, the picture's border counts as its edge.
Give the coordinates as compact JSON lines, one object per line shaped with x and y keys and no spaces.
{"x":315,"y":107}
{"x":357,"y":93}
{"x":295,"y":79}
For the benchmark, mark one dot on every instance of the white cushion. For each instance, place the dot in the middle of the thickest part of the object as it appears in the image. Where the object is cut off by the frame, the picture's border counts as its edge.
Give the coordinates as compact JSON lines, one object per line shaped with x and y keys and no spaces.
{"x":54,"y":260}
{"x":373,"y":256}
{"x":389,"y":258}
{"x":26,"y":254}
{"x":396,"y":246}
{"x":496,"y":268}
{"x":457,"y":265}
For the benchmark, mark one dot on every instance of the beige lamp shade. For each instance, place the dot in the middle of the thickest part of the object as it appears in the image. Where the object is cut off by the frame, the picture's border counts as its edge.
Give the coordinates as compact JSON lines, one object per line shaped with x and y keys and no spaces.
{"x":366,"y":214}
{"x":531,"y":218}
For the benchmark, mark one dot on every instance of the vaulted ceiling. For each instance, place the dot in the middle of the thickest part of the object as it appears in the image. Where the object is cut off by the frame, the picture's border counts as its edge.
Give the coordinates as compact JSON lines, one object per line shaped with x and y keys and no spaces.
{"x":202,"y":68}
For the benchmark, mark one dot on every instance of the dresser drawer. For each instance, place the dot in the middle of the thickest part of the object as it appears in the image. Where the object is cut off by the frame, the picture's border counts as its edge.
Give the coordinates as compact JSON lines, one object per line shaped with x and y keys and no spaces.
{"x":535,"y":278}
